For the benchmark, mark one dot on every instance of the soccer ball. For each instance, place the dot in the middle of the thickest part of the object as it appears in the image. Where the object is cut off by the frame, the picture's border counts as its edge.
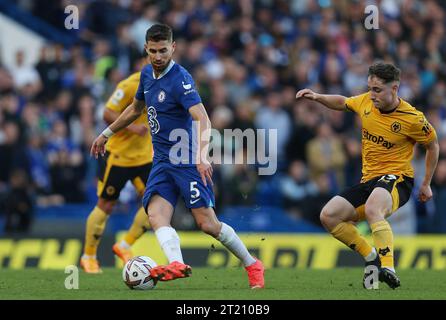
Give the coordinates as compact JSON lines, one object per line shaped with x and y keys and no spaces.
{"x":136,"y":273}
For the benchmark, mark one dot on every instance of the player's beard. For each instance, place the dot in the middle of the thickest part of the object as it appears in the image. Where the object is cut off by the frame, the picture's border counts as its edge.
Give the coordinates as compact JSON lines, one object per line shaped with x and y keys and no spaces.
{"x":160,"y":68}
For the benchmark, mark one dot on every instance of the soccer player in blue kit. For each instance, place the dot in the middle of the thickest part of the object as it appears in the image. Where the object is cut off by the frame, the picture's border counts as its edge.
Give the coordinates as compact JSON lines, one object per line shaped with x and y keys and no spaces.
{"x":173,"y":103}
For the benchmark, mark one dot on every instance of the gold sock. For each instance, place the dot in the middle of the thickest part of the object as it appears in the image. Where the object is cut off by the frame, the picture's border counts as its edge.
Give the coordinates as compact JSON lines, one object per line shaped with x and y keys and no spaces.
{"x":95,"y":228}
{"x":139,"y":226}
{"x":383,"y":238}
{"x":348,"y":234}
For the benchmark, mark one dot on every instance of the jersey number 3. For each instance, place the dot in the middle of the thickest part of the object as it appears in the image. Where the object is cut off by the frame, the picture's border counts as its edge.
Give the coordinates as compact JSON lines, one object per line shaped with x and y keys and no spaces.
{"x":153,"y":121}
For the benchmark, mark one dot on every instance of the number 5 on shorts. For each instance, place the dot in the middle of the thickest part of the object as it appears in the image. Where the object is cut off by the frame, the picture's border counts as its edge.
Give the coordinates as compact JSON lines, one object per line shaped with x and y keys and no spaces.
{"x":194,"y":192}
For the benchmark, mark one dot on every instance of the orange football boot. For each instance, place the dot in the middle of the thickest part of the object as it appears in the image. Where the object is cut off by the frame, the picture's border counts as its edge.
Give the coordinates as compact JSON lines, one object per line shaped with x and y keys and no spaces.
{"x":124,"y":254}
{"x":256,"y":275}
{"x":172,"y":271}
{"x":90,"y":265}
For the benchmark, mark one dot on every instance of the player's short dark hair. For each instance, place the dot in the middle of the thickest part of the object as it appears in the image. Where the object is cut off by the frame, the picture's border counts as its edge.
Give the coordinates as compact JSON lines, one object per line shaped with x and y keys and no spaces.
{"x":387,"y":72}
{"x":159,"y":32}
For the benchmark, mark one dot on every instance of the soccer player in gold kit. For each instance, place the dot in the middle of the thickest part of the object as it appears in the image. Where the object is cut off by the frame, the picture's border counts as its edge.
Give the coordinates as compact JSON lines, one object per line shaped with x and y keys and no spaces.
{"x":129,"y":157}
{"x":390,"y":129}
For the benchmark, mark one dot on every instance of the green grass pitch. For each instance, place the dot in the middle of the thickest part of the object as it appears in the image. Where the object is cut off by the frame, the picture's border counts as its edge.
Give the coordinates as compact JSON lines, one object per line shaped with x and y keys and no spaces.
{"x":222,"y":284}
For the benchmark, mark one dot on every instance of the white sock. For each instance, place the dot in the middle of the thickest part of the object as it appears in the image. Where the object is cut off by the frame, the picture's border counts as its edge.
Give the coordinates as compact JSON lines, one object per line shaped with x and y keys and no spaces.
{"x":371,"y":256}
{"x":232,"y":242}
{"x":86,"y":256}
{"x":170,"y":243}
{"x":123,"y":244}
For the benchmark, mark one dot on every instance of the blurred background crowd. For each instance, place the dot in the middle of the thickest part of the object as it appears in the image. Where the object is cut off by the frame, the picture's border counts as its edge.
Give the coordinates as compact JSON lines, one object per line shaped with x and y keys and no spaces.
{"x":248,"y":58}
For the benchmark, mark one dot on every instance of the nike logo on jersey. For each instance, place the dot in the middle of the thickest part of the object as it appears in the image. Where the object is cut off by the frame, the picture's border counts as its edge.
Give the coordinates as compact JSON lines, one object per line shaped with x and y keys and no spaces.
{"x":146,"y":91}
{"x":186,"y":86}
{"x":194,"y":201}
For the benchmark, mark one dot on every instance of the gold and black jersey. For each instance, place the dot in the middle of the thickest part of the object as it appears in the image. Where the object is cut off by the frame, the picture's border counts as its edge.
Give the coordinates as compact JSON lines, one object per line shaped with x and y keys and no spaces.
{"x":128,"y":149}
{"x":388,"y":139}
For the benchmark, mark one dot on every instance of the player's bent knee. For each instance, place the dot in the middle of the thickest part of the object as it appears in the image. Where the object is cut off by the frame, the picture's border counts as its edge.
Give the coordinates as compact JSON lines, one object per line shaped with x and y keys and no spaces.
{"x":209,"y":228}
{"x":329,"y":218}
{"x":156,"y":220}
{"x":153,"y":216}
{"x":373,"y":213}
{"x":106,"y":205}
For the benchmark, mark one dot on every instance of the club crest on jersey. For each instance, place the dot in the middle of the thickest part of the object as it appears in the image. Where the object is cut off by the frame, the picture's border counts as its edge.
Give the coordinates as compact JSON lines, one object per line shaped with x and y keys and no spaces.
{"x":161,"y":96}
{"x":396,"y":126}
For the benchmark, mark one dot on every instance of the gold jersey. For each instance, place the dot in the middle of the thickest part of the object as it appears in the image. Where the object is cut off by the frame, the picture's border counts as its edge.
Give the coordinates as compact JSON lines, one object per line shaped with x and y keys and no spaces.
{"x":388,"y":139}
{"x":128,"y":149}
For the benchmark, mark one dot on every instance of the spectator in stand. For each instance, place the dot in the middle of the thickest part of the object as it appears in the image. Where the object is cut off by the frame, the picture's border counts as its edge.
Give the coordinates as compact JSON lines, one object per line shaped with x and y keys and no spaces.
{"x":439,"y":187}
{"x":273,"y":116}
{"x":50,"y":69}
{"x":12,"y":151}
{"x":26,"y":78}
{"x":66,"y":164}
{"x":326,"y":156}
{"x":18,"y":203}
{"x":296,"y":188}
{"x":241,"y":185}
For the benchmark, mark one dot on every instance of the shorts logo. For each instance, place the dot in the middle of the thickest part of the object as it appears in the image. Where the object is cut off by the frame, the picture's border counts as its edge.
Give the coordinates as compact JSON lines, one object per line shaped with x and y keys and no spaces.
{"x":110,"y":190}
{"x":395,"y":127}
{"x":388,"y":178}
{"x":161,"y":96}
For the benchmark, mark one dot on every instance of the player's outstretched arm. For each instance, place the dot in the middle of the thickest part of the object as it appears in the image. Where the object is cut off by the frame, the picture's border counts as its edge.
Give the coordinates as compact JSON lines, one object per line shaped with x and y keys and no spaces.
{"x":110,"y":116}
{"x":129,"y":115}
{"x":332,"y":101}
{"x":432,"y":153}
{"x":199,"y":114}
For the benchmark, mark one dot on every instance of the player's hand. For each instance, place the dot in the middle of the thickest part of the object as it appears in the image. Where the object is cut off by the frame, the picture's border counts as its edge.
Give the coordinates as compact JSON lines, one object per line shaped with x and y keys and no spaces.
{"x":425,"y":193}
{"x":139,"y":129}
{"x":307,"y":93}
{"x":205,"y":170}
{"x":98,"y":146}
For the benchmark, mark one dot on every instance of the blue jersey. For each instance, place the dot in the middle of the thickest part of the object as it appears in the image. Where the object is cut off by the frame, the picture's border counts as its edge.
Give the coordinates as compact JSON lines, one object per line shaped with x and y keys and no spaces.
{"x":168,"y":99}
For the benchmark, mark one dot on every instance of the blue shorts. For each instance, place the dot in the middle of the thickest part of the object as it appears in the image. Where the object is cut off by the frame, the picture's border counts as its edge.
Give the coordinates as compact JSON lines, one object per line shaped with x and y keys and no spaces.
{"x":170,"y":181}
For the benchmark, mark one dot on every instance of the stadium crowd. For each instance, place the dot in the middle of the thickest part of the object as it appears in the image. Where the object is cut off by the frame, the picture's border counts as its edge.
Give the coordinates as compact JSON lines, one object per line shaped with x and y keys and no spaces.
{"x":248,"y":59}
